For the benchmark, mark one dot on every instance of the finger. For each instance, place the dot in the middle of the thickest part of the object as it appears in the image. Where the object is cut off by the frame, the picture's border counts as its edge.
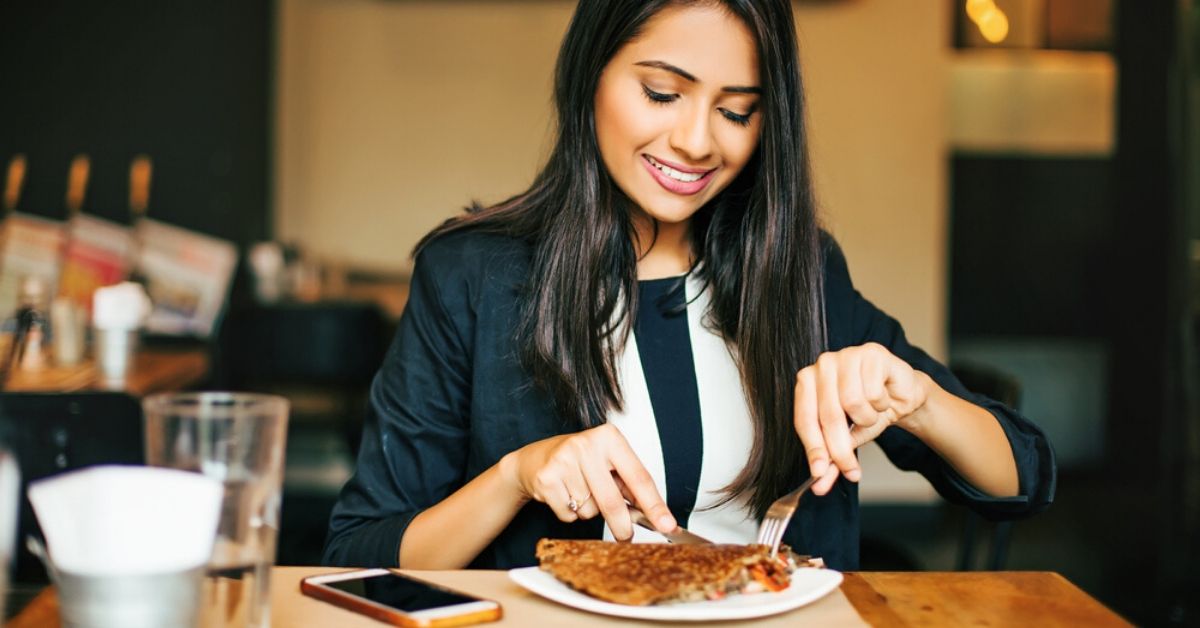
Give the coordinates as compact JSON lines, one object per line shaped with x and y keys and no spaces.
{"x":874,"y":377}
{"x":862,"y":436}
{"x":550,"y":490}
{"x":577,"y":487}
{"x":833,"y":419}
{"x":625,"y":492}
{"x":641,"y":486}
{"x":808,"y":425}
{"x":628,"y":494}
{"x":850,"y":389}
{"x":588,"y":509}
{"x":608,"y":499}
{"x":901,"y":381}
{"x":825,"y":483}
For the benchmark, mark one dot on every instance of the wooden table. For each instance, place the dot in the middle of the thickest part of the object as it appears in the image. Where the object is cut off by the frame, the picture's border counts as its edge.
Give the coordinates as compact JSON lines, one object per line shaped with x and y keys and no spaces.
{"x":154,"y":370}
{"x":865,"y":598}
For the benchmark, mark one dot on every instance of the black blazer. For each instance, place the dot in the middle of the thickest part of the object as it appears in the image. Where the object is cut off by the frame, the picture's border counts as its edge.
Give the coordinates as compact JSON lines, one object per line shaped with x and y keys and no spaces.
{"x":451,"y":399}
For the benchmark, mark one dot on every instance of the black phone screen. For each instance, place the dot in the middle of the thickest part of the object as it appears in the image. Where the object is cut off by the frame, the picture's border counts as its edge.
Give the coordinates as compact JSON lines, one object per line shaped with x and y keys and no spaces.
{"x":399,"y":592}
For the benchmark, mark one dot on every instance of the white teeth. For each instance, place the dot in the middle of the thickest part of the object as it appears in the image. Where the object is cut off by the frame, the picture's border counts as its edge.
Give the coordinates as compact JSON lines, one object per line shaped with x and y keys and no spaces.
{"x":675,"y":174}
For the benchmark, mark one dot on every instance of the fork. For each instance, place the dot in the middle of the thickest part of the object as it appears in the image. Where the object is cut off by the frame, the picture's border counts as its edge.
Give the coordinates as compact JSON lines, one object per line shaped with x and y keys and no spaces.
{"x":770,"y":532}
{"x":779,"y":515}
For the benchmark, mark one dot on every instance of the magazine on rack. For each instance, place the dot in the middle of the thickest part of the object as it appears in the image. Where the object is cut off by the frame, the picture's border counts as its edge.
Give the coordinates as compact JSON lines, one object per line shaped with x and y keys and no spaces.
{"x":98,"y":254}
{"x":187,"y":274}
{"x":30,"y":246}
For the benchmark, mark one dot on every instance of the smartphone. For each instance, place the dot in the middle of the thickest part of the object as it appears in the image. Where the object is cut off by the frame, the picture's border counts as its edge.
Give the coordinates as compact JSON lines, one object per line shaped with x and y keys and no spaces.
{"x":400,"y":600}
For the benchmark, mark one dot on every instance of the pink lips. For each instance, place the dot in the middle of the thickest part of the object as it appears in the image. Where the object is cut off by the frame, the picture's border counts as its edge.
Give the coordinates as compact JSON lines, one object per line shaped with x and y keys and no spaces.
{"x":679,"y":187}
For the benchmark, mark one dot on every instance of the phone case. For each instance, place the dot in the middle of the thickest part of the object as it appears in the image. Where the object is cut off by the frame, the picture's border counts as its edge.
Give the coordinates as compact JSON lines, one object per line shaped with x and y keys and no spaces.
{"x":393,"y":616}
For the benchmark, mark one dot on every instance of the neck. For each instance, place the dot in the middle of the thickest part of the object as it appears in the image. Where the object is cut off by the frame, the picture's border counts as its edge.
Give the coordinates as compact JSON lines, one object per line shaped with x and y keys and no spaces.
{"x":667,"y":255}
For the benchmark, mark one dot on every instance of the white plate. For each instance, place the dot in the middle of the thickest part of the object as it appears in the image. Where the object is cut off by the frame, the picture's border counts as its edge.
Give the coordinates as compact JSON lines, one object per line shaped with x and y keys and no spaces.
{"x":807,"y":585}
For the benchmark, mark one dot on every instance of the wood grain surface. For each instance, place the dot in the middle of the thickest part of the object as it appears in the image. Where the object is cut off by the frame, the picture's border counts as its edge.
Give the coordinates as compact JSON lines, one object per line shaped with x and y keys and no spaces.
{"x":154,"y":370}
{"x":880,"y":598}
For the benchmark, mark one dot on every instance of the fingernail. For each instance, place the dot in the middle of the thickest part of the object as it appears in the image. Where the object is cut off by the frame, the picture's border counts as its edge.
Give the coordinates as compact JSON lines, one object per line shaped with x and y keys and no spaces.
{"x":854,"y":475}
{"x":666,"y":522}
{"x":819,"y":468}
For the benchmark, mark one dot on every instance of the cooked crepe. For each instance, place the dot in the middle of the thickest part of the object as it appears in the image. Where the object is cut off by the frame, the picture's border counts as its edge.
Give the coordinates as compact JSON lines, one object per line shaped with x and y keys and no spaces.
{"x":660,"y":573}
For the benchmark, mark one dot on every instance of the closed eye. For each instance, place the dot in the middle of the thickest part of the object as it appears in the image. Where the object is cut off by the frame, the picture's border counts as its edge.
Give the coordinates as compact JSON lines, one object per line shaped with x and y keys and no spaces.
{"x":659,"y":97}
{"x":739,"y":119}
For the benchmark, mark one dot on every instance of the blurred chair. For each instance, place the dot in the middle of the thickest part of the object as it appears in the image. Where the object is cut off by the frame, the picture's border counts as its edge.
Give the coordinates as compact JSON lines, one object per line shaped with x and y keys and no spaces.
{"x":1006,"y":389}
{"x":888,"y":534}
{"x":322,"y":357}
{"x":328,"y":343}
{"x":49,"y":433}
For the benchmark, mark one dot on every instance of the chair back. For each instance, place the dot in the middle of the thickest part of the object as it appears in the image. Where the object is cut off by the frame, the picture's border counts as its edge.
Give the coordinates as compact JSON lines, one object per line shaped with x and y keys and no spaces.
{"x":327,"y":343}
{"x":989,"y":382}
{"x":322,"y":357}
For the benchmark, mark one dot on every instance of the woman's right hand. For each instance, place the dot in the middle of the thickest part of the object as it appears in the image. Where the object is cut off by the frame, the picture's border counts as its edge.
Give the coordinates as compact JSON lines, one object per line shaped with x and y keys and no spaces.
{"x":587,"y":470}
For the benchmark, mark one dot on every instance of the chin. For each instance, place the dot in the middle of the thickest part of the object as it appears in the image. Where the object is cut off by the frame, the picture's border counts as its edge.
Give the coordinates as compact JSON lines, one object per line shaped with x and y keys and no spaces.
{"x":671,"y":213}
{"x":671,"y":217}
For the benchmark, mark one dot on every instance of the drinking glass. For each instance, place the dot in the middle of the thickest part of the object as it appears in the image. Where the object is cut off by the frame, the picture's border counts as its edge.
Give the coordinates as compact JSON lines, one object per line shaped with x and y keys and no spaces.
{"x":238,"y":439}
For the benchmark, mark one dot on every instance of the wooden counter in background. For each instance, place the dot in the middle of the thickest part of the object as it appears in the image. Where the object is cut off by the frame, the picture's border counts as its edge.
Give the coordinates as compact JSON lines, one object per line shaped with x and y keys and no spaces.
{"x":154,"y":370}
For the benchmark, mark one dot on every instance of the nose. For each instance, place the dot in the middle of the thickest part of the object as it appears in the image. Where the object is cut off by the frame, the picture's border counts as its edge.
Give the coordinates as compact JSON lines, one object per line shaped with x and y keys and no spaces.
{"x":692,"y":134}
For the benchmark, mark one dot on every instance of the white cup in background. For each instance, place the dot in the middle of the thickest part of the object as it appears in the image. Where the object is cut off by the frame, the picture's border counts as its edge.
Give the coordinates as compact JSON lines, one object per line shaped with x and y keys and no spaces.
{"x":117,"y":315}
{"x":115,"y":349}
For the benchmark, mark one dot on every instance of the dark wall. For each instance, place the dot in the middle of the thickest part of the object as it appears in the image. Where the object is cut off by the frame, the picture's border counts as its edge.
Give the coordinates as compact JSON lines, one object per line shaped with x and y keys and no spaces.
{"x":1080,"y":247}
{"x":1146,"y":207}
{"x":187,"y":82}
{"x":1090,"y":248}
{"x":1032,"y":240}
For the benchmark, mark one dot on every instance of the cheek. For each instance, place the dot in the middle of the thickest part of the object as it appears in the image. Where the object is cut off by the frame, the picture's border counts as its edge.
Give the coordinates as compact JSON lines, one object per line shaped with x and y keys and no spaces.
{"x":738,"y":145}
{"x":623,"y":123}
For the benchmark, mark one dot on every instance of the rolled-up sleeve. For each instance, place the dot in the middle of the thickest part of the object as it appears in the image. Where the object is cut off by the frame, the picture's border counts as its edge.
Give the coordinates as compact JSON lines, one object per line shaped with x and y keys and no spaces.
{"x":414,"y":443}
{"x":853,"y":320}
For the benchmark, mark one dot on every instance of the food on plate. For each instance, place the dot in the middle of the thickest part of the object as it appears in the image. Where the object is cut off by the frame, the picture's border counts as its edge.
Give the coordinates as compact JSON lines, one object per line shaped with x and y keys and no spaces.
{"x":660,"y":573}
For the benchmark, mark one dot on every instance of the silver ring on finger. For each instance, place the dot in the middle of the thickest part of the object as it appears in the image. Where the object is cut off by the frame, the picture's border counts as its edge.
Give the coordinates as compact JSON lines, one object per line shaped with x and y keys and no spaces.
{"x":574,"y":505}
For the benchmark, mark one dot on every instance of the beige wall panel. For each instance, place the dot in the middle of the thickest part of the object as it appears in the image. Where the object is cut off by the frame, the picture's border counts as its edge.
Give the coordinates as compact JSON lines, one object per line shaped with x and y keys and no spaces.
{"x":394,"y":115}
{"x":876,"y":80}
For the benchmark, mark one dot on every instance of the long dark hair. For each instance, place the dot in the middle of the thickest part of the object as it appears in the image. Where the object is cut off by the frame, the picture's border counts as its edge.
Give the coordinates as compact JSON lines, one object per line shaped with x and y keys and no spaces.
{"x":757,"y":245}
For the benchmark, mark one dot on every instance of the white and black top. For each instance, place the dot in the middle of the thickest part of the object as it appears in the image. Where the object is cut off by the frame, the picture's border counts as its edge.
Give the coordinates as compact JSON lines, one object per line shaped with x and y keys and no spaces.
{"x":452,"y":398}
{"x":685,"y":414}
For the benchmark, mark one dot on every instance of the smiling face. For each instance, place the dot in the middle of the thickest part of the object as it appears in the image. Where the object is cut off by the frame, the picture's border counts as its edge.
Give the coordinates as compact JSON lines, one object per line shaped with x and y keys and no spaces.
{"x":676,"y":110}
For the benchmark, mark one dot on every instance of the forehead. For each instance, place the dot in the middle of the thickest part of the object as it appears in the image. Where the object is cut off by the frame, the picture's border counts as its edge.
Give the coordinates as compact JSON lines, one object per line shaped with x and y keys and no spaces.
{"x":707,"y":41}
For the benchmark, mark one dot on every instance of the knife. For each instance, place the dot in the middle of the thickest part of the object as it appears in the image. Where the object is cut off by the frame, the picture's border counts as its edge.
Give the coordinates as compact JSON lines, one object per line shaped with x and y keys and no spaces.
{"x":678,"y":536}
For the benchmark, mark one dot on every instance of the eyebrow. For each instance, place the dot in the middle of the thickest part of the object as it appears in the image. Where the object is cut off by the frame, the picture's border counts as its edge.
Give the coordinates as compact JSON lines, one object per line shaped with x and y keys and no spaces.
{"x":663,"y":65}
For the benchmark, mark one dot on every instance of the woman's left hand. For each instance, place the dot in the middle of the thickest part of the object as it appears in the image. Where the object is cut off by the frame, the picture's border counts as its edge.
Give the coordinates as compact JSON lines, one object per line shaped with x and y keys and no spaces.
{"x":864,"y":386}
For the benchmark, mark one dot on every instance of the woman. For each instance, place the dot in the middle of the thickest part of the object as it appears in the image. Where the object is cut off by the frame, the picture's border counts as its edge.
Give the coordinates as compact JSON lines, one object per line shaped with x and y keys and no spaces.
{"x":658,"y":319}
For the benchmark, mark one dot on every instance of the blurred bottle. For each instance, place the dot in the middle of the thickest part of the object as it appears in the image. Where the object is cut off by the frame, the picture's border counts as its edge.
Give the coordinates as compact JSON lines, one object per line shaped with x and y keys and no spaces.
{"x":303,"y":275}
{"x":68,"y":328}
{"x":268,"y":267}
{"x":28,"y":350}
